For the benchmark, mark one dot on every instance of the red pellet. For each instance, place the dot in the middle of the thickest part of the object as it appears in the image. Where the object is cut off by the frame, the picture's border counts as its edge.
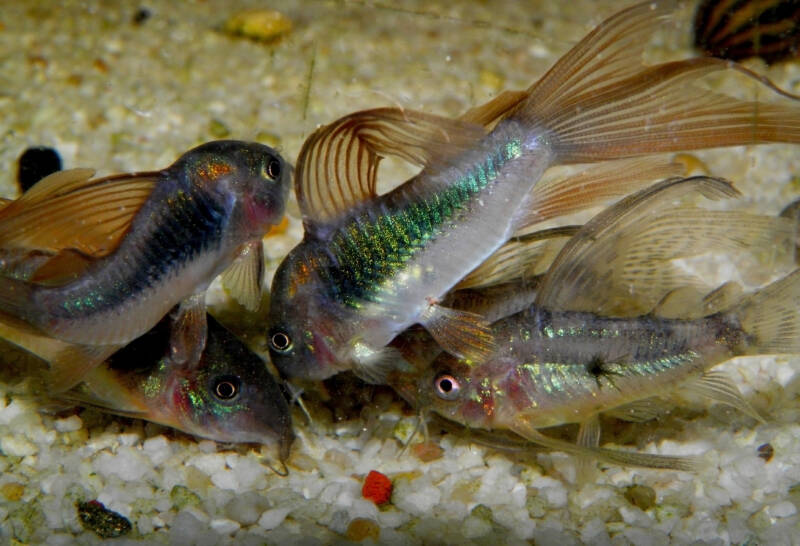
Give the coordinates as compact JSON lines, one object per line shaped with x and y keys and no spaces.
{"x":377,"y":488}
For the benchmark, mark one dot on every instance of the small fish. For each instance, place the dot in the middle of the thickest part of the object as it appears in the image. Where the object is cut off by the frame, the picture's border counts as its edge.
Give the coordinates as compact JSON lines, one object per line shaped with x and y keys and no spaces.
{"x":739,"y":29}
{"x":95,"y":263}
{"x":557,"y":363}
{"x":372,"y":265}
{"x":227,"y":396}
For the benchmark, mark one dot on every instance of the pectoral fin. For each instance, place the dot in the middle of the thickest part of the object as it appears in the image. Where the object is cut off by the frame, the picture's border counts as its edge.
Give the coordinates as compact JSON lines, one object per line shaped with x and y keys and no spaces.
{"x":245,"y":276}
{"x":375,"y":366}
{"x":460,"y":333}
{"x":189,"y":331}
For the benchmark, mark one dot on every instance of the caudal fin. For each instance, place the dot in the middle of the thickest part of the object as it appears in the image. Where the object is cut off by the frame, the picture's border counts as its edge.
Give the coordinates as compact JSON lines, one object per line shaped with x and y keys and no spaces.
{"x":771,"y":317}
{"x":599,"y":101}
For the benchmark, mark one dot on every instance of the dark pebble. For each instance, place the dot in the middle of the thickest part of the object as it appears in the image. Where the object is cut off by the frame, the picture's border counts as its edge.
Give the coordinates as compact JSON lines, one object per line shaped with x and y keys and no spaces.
{"x":141,"y":15}
{"x":106,"y":523}
{"x":36,"y":163}
{"x":766,"y":451}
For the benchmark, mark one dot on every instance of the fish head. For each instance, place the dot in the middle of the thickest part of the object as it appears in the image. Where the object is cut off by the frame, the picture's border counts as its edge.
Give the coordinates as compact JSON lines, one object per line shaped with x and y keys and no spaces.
{"x":230,"y":396}
{"x":251,"y":178}
{"x":306,"y":330}
{"x":458,"y":390}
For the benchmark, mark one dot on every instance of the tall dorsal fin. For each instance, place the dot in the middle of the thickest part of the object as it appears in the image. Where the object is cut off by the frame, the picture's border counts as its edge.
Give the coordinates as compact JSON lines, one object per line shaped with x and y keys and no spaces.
{"x":337,"y":167}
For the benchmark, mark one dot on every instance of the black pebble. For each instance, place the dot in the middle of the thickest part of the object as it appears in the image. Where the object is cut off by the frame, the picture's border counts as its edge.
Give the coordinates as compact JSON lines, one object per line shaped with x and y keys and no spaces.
{"x":141,"y":15}
{"x":36,"y":163}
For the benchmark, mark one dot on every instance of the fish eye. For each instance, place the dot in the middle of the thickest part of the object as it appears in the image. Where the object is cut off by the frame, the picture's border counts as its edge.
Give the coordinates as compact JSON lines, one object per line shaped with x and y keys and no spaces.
{"x":227,"y":387}
{"x":281,"y":342}
{"x":273,"y":169}
{"x":446,"y":386}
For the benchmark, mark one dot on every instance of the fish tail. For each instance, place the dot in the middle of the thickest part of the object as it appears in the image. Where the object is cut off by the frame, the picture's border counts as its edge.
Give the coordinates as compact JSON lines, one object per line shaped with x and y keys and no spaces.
{"x":15,"y":296}
{"x":599,"y":102}
{"x":770,"y":317}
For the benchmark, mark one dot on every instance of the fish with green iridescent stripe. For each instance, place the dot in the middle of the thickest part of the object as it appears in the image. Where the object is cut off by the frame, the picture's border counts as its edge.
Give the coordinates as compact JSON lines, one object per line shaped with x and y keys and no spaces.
{"x":372,"y":265}
{"x":95,"y":263}
{"x":227,"y":396}
{"x":559,"y":362}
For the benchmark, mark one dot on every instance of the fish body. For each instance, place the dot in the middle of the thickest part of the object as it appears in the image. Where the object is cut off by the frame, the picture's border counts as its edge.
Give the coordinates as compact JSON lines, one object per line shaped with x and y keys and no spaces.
{"x":372,"y":265}
{"x":563,"y":367}
{"x":227,"y":396}
{"x":118,"y":253}
{"x":559,"y":362}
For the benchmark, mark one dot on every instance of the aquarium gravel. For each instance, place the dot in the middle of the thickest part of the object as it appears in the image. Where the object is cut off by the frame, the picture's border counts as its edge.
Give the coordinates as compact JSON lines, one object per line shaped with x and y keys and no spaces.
{"x":110,"y":88}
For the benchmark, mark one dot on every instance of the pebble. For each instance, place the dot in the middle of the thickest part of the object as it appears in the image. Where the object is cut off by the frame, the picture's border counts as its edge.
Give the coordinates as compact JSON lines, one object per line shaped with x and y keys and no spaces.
{"x":361,"y":528}
{"x":34,"y":164}
{"x":262,"y":25}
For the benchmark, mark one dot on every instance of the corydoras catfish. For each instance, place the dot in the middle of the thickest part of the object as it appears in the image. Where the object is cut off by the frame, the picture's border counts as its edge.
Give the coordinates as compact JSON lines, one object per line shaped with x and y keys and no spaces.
{"x":558,"y":363}
{"x":370,"y":266}
{"x":96,"y":263}
{"x":227,"y":396}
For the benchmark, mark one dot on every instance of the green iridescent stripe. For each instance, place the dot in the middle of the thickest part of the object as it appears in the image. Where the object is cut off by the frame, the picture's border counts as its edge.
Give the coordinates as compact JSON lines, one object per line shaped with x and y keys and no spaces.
{"x":369,"y":251}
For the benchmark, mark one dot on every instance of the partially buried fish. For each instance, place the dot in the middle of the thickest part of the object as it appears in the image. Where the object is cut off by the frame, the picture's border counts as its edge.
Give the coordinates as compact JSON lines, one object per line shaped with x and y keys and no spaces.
{"x":227,"y":396}
{"x":95,"y":263}
{"x":372,"y":265}
{"x":559,"y":362}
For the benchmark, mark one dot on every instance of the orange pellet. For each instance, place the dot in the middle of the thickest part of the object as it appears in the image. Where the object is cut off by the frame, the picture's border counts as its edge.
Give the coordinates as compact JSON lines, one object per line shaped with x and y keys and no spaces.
{"x":377,"y":488}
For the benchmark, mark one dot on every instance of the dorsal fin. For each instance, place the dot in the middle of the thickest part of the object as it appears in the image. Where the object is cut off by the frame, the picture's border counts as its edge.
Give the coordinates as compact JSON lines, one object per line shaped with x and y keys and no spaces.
{"x":69,"y":210}
{"x":337,"y":167}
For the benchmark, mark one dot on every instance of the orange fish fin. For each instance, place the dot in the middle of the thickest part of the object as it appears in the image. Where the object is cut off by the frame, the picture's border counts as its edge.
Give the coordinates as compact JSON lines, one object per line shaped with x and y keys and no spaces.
{"x":599,"y":102}
{"x":624,"y":458}
{"x":68,"y":211}
{"x":245,"y":276}
{"x":65,"y":266}
{"x":523,"y":257}
{"x":189,"y":331}
{"x":594,"y":185}
{"x":460,"y":333}
{"x":495,"y":110}
{"x":337,"y":167}
{"x":68,"y":363}
{"x":102,"y":389}
{"x":592,"y":259}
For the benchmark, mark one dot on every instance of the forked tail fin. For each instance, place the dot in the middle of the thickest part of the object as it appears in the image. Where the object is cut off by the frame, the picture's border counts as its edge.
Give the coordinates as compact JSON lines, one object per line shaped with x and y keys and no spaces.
{"x":599,"y":102}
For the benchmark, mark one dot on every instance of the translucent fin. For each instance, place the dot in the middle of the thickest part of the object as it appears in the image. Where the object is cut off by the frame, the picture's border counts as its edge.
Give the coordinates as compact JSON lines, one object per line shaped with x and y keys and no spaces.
{"x":245,"y":276}
{"x":102,"y":389}
{"x":588,"y":437}
{"x":624,"y":458}
{"x":496,"y":109}
{"x":722,"y":298}
{"x":525,"y":256}
{"x":771,"y":317}
{"x":717,"y":386}
{"x":377,"y":365}
{"x":679,"y":302}
{"x":69,"y":210}
{"x":64,"y":267}
{"x":189,"y":331}
{"x":68,"y":363}
{"x":497,"y":301}
{"x":588,"y":259}
{"x":460,"y":333}
{"x":598,"y":102}
{"x":640,"y":411}
{"x":337,"y":166}
{"x":593,"y":185}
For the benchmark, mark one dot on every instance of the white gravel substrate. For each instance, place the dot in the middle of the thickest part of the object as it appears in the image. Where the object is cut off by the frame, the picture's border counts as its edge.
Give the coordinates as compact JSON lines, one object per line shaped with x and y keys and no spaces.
{"x":112,"y":95}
